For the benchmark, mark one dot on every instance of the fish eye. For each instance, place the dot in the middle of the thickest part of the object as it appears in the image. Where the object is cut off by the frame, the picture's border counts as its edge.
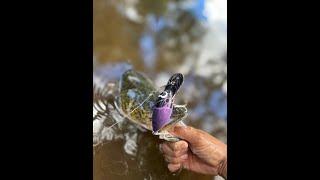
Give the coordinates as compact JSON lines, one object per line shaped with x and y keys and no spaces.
{"x":164,"y":94}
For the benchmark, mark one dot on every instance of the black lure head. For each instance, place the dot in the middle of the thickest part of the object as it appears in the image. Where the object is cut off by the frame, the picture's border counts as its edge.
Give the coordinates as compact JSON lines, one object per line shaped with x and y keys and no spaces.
{"x":170,"y":90}
{"x":174,"y":83}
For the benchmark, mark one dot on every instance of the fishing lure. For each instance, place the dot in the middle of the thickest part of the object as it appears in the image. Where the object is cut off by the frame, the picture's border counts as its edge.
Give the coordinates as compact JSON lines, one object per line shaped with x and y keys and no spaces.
{"x":164,"y":105}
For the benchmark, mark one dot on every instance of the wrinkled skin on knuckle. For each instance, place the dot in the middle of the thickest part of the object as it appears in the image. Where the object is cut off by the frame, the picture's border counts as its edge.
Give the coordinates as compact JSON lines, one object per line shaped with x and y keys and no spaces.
{"x":176,"y":154}
{"x":176,"y":146}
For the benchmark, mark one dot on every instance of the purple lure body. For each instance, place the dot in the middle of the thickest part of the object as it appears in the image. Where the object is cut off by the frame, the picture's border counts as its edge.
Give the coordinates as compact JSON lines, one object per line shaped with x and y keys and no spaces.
{"x":161,"y":117}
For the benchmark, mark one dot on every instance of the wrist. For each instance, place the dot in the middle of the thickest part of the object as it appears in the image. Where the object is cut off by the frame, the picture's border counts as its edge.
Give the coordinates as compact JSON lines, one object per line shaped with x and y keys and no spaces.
{"x":223,"y":169}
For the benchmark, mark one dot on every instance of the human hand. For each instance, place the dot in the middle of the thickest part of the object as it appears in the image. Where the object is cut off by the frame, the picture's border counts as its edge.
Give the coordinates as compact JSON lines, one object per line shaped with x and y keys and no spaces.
{"x":198,"y":151}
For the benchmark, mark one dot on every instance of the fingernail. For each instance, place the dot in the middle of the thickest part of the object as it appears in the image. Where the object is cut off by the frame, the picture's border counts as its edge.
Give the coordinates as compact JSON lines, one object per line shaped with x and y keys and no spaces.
{"x":174,"y":129}
{"x":179,"y":128}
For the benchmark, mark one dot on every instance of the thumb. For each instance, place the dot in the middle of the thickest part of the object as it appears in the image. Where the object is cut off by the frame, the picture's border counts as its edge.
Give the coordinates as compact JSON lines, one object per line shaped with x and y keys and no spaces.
{"x":187,"y":133}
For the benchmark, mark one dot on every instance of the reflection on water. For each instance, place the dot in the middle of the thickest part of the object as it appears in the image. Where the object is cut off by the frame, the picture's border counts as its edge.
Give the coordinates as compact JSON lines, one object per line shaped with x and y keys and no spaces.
{"x":158,"y":38}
